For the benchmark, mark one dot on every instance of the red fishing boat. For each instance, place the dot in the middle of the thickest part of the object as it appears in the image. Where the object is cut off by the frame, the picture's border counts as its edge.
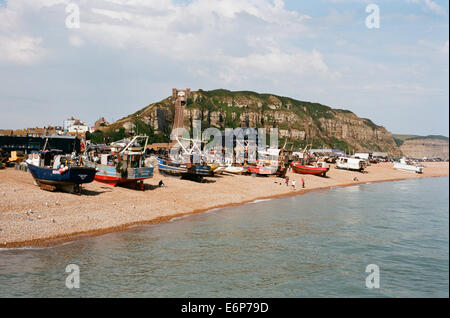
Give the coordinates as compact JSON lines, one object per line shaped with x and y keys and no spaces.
{"x":129,"y":167}
{"x":262,"y":170}
{"x":320,"y":170}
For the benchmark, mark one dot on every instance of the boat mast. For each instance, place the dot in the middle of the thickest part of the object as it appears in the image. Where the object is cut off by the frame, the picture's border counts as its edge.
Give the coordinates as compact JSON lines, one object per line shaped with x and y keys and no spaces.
{"x":45,"y":145}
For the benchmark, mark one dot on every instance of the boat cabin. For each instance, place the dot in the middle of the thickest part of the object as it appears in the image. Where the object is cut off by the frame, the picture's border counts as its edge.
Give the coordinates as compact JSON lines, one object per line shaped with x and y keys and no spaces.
{"x":133,"y":159}
{"x":108,"y":159}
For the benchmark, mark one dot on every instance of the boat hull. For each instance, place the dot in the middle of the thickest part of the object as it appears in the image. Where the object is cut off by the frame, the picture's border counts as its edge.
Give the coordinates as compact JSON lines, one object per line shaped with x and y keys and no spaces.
{"x":109,"y":174}
{"x":68,"y":180}
{"x":317,"y":171}
{"x":234,"y":170}
{"x":183,"y":169}
{"x":411,"y":168}
{"x":264,"y":171}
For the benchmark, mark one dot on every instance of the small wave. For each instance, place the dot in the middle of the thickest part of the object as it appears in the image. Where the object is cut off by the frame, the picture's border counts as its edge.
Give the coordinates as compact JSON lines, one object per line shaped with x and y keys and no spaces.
{"x":179,"y":218}
{"x":212,"y":210}
{"x":261,"y":200}
{"x":37,"y":248}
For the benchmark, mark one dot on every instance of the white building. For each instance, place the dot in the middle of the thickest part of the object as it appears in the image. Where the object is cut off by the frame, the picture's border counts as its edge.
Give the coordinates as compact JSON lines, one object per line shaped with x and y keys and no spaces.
{"x":74,"y":125}
{"x":68,"y":123}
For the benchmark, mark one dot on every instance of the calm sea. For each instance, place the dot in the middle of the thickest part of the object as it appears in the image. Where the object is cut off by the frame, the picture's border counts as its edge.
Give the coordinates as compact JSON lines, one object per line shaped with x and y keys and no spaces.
{"x":313,"y":245}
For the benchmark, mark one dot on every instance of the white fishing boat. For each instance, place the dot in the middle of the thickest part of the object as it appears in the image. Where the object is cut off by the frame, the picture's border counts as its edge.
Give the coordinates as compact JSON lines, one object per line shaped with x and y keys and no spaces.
{"x":348,"y":163}
{"x":216,"y":168}
{"x":234,"y":169}
{"x":407,"y":165}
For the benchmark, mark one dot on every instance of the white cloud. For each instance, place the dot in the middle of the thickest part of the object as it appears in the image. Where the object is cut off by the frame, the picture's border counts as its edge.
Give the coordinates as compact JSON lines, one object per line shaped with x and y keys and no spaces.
{"x":431,"y":5}
{"x":15,"y":46}
{"x":76,"y":41}
{"x":275,"y":64}
{"x":21,"y":49}
{"x":232,"y":34}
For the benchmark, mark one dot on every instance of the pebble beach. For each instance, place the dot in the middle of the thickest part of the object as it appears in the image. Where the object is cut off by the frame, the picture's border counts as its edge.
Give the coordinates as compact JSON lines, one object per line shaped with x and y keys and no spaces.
{"x":31,"y":217}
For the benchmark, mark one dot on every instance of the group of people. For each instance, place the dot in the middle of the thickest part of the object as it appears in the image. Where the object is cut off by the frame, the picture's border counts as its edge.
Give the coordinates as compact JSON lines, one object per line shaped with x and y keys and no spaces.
{"x":293,"y":183}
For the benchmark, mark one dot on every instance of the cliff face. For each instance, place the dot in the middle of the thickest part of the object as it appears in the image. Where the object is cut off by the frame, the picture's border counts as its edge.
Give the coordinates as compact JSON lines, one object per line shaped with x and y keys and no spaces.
{"x":297,"y":121}
{"x":425,"y":147}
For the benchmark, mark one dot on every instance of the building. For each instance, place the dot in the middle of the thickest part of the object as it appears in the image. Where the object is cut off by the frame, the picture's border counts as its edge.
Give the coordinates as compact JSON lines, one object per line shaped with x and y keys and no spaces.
{"x":180,"y":99}
{"x":6,"y":132}
{"x":101,"y":122}
{"x":28,"y":144}
{"x":68,"y":123}
{"x":78,"y":127}
{"x":75,"y":125}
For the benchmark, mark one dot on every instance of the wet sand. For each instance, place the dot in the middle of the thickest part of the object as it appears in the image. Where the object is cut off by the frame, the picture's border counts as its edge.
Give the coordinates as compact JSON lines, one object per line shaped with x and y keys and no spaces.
{"x":30,"y":216}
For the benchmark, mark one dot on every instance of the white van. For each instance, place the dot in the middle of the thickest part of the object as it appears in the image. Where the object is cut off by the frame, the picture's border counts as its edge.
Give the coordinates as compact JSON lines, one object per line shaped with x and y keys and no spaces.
{"x":351,"y":164}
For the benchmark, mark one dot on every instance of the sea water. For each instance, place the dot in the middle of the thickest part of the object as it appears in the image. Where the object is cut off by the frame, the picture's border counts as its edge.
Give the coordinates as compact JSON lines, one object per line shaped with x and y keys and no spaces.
{"x":314,"y":245}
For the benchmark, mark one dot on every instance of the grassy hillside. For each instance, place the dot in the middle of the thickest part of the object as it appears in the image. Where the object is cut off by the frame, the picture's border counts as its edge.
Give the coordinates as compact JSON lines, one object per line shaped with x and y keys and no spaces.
{"x":300,"y":122}
{"x":400,"y":139}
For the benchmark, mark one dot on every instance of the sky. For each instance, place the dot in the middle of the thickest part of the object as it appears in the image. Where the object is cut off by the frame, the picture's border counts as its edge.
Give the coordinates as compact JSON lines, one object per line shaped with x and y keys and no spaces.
{"x":127,"y":54}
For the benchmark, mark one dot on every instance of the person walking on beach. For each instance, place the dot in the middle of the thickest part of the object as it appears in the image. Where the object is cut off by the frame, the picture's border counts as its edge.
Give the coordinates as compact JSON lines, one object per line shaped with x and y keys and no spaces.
{"x":287,"y":181}
{"x":303,"y":183}
{"x":293,"y":184}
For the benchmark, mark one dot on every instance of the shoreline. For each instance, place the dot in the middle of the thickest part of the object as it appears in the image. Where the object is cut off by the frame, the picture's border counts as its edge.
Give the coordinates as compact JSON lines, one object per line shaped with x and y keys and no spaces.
{"x":42,"y":241}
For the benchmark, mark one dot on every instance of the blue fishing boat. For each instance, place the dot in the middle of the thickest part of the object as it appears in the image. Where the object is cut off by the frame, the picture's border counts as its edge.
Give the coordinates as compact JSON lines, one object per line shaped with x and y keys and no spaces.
{"x":127,"y":167}
{"x":54,"y":171}
{"x":197,"y":171}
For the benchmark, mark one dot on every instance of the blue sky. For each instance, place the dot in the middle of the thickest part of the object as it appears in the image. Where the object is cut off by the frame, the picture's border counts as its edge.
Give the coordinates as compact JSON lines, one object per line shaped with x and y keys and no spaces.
{"x":128,"y":54}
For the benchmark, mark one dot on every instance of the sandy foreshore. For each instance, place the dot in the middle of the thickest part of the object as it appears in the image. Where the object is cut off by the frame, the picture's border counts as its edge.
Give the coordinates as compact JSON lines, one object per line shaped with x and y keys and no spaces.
{"x":57,"y":217}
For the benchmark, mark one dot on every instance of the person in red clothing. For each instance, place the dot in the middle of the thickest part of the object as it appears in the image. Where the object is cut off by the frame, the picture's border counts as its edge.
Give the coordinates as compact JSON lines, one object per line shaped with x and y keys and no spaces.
{"x":303,"y":183}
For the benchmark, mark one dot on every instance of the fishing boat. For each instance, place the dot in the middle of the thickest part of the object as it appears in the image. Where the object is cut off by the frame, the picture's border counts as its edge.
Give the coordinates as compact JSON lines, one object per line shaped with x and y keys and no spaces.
{"x":270,"y":163}
{"x":320,"y":169}
{"x":216,"y":168}
{"x":348,"y":163}
{"x":188,"y":162}
{"x":196,"y":171}
{"x":263,"y":170}
{"x":305,"y":164}
{"x":407,"y":165}
{"x":128,"y":167}
{"x":219,"y":170}
{"x":55,"y":171}
{"x":234,"y":169}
